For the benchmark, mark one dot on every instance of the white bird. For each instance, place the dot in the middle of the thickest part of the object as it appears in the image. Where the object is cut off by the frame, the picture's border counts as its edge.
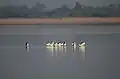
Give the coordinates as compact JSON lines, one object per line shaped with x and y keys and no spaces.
{"x":50,"y":44}
{"x":74,"y":44}
{"x":55,"y":44}
{"x":82,"y":43}
{"x":60,"y":44}
{"x":27,"y":45}
{"x":64,"y":43}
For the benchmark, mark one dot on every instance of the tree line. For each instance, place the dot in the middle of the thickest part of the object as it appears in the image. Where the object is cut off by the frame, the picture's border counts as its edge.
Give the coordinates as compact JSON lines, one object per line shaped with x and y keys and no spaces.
{"x":39,"y":11}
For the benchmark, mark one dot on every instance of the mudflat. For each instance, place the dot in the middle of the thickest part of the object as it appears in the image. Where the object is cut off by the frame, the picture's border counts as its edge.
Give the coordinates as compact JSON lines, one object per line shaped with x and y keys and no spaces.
{"x":67,"y":20}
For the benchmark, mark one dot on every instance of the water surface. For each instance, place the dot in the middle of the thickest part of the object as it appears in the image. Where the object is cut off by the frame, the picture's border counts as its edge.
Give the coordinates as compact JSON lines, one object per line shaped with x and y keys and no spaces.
{"x":100,"y":60}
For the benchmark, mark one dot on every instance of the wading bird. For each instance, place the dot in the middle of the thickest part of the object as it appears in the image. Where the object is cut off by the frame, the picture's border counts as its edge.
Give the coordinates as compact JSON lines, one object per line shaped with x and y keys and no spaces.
{"x":74,"y":44}
{"x":82,"y":43}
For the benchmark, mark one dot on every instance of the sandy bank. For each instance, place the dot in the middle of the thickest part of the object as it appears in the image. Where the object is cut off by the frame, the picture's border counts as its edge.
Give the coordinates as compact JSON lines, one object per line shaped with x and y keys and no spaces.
{"x":82,"y":20}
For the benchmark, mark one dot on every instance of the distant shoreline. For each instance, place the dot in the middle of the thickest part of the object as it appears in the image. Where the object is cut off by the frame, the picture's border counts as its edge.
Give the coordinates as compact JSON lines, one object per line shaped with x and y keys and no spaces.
{"x":67,"y":20}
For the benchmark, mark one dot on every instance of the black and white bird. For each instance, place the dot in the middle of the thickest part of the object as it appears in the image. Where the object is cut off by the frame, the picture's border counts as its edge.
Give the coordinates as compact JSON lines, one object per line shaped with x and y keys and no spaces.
{"x":82,"y":44}
{"x":74,"y":44}
{"x":27,"y":45}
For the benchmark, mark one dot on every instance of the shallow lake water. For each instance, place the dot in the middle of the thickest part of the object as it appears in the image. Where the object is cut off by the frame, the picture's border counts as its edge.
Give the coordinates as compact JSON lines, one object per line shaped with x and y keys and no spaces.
{"x":98,"y":60}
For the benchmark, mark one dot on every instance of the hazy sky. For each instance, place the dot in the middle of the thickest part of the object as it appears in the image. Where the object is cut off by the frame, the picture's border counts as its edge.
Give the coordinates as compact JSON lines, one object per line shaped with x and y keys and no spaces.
{"x":58,"y":3}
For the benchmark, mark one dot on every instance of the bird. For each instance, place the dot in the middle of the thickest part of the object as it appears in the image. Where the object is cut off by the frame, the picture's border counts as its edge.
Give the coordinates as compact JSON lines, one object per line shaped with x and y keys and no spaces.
{"x":82,"y":43}
{"x":50,"y":44}
{"x":55,"y":44}
{"x":60,"y":44}
{"x":64,"y":44}
{"x":27,"y":45}
{"x":74,"y":44}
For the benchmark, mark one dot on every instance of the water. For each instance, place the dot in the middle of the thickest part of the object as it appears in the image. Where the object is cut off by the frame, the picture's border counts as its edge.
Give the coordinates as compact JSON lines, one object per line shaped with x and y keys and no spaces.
{"x":98,"y":60}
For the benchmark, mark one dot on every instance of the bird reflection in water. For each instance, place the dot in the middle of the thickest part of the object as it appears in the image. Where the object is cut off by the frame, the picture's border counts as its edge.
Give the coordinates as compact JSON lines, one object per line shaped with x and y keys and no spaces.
{"x":50,"y":49}
{"x":56,"y":51}
{"x":27,"y":49}
{"x":82,"y":52}
{"x":60,"y":48}
{"x":65,"y":49}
